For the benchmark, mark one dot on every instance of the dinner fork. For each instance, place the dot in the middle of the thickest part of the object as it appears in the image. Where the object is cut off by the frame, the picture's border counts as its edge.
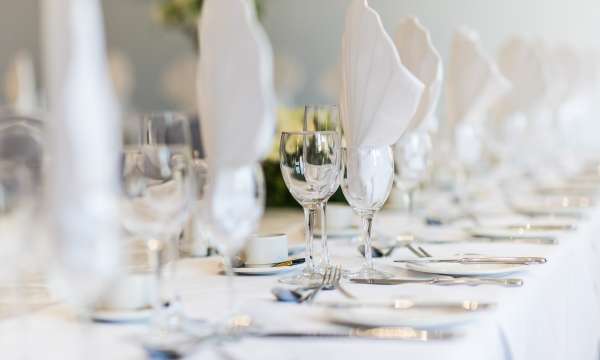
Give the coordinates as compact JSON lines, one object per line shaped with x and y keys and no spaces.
{"x":337,"y":279}
{"x":471,"y":281}
{"x":326,"y":283}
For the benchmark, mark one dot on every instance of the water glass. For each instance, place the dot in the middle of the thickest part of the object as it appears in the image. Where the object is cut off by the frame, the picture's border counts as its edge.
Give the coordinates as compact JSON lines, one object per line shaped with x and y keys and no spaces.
{"x":367,"y":178}
{"x":310,"y":164}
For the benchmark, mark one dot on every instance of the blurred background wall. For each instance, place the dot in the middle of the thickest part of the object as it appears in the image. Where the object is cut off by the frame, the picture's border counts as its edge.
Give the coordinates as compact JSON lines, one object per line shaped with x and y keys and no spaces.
{"x":155,"y":63}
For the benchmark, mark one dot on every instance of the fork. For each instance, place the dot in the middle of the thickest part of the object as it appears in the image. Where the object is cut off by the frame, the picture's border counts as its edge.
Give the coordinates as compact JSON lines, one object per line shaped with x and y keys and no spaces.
{"x":337,"y":278}
{"x":326,"y":283}
{"x":466,"y":280}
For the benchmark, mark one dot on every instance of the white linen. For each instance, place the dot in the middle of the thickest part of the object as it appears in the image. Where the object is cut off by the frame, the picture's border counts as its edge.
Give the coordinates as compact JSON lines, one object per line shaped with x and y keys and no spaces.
{"x":473,"y":81}
{"x":235,"y":85}
{"x":418,"y":54}
{"x":84,"y":136}
{"x":553,"y":316}
{"x":379,"y":95}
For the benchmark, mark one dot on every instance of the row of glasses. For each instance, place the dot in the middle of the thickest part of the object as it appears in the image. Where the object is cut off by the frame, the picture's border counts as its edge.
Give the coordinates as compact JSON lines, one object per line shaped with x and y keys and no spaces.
{"x":314,"y":163}
{"x":310,"y":164}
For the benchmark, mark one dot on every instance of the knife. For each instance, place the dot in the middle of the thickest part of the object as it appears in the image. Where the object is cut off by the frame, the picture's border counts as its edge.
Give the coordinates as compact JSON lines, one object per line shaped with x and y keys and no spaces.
{"x":471,"y":281}
{"x":517,"y":260}
{"x":406,"y":304}
{"x":285,"y":263}
{"x":542,"y":227}
{"x":381,"y":333}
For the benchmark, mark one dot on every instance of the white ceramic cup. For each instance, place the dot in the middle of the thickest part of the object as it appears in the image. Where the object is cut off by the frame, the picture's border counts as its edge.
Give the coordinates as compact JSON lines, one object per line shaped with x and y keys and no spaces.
{"x":130,"y":292}
{"x":266,"y":249}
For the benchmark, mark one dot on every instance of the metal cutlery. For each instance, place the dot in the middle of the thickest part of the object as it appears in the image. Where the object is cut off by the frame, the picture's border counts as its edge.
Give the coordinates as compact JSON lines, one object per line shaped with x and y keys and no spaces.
{"x":406,"y":304}
{"x":289,"y":262}
{"x":380,"y":333}
{"x":471,"y":281}
{"x":509,"y":260}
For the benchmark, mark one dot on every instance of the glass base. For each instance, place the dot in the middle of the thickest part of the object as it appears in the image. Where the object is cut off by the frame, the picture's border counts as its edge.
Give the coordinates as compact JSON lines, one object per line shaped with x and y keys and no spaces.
{"x":303,"y":279}
{"x":368,"y":273}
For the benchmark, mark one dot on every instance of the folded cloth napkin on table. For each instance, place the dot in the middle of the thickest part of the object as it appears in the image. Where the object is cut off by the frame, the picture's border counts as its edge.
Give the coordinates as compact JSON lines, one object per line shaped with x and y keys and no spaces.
{"x":235,"y":84}
{"x":420,"y":57}
{"x":84,"y":135}
{"x":379,"y":95}
{"x":474,"y":82}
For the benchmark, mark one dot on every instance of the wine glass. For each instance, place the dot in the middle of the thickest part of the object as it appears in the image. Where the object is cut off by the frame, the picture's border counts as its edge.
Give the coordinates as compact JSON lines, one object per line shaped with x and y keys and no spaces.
{"x":412,"y":162}
{"x":157,"y":192}
{"x":322,"y":118}
{"x":310,"y":165}
{"x":367,"y":178}
{"x":232,"y":207}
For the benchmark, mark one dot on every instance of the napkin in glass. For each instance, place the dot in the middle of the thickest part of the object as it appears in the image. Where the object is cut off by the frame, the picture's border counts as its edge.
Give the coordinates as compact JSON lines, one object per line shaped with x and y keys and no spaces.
{"x":379,"y":95}
{"x":473,"y":82}
{"x":84,"y":137}
{"x":418,"y":54}
{"x":235,"y":85}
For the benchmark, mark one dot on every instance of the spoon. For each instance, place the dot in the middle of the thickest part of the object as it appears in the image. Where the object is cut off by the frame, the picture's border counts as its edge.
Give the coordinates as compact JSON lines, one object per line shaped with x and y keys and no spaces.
{"x":298,"y":295}
{"x":397,"y":241}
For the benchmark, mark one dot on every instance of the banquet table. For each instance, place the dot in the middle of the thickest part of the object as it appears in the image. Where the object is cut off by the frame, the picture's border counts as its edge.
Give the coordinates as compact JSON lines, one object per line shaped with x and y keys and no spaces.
{"x":554,"y":315}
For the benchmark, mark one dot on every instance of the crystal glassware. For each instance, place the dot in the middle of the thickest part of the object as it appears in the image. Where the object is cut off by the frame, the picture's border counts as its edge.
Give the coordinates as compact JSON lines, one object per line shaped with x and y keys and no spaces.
{"x":322,"y":118}
{"x":412,"y":164}
{"x":310,"y":164}
{"x":367,"y":178}
{"x":157,"y":195}
{"x":231,"y":209}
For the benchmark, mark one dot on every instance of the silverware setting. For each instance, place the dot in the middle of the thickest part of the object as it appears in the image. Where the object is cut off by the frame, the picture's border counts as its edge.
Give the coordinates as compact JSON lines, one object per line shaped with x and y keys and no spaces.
{"x":379,"y":333}
{"x":331,"y":281}
{"x":444,"y":280}
{"x":514,"y":260}
{"x":407,"y":304}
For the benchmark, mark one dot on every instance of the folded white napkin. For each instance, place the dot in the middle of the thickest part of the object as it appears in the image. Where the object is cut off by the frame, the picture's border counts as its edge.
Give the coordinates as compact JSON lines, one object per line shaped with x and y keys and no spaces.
{"x":379,"y":96}
{"x":474,"y":82}
{"x":420,"y":56}
{"x":521,"y":63}
{"x":21,"y":88}
{"x":235,"y":84}
{"x":84,"y":135}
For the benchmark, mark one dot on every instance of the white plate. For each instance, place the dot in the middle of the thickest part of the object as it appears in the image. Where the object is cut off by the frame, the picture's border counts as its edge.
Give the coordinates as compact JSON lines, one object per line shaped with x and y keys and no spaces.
{"x":122,"y":316}
{"x":418,"y":318}
{"x":266,"y":270}
{"x":455,"y":269}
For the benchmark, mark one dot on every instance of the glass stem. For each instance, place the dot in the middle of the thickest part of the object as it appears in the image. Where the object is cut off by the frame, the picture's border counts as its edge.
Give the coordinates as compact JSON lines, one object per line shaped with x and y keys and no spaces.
{"x":231,"y":291}
{"x":309,"y":226}
{"x":367,"y":236}
{"x":325,"y":261}
{"x":410,"y":201}
{"x":156,"y":247}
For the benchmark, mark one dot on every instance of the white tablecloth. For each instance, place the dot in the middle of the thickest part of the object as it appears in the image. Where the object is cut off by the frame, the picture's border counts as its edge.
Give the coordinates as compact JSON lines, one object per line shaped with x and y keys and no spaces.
{"x":555,"y":315}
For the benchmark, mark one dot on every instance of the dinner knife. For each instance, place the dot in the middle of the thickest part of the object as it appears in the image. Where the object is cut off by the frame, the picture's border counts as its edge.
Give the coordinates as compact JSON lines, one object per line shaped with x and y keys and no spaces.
{"x":517,"y":260}
{"x":381,"y":333}
{"x":471,"y":281}
{"x":407,"y":304}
